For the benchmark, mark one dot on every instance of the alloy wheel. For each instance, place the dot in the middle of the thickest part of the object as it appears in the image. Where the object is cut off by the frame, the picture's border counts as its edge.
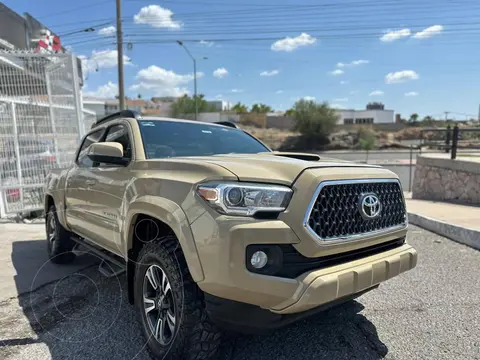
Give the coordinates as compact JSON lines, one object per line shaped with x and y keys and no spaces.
{"x":159,"y":304}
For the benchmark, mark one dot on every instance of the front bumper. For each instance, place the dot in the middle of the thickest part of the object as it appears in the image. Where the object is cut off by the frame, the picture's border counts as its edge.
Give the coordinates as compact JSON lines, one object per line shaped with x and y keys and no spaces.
{"x":222,"y":241}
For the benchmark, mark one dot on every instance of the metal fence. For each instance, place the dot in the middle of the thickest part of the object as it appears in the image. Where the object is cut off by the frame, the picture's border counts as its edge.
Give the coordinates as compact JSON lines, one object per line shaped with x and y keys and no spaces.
{"x":41,"y":122}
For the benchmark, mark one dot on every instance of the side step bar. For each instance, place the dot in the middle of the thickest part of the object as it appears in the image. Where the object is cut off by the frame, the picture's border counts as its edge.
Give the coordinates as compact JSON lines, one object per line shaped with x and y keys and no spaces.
{"x":110,"y":265}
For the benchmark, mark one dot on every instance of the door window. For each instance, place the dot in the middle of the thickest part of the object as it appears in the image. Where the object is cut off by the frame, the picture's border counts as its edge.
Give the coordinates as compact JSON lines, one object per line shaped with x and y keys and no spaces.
{"x":119,"y":134}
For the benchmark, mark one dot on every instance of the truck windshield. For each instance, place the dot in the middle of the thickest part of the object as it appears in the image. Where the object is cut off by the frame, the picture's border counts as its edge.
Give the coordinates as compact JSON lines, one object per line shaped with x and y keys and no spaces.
{"x":170,"y":139}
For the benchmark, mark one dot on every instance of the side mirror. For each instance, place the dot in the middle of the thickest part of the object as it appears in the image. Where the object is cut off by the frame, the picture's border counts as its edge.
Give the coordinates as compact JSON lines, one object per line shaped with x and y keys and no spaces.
{"x":107,"y":152}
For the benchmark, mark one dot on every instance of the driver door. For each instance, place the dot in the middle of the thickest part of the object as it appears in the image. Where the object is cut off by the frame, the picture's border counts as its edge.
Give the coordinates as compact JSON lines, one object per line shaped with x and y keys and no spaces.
{"x":106,"y":191}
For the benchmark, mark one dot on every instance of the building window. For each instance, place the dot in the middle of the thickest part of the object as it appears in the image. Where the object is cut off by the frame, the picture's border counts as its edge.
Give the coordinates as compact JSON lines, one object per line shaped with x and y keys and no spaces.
{"x":364,"y":121}
{"x":348,"y":121}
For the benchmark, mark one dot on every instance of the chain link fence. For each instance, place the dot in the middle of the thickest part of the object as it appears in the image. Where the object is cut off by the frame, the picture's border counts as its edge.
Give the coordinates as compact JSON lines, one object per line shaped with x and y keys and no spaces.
{"x":41,"y":123}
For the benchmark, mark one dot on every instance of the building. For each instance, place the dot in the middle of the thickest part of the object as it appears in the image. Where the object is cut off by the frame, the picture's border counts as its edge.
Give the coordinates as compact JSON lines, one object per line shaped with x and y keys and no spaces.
{"x":95,"y":105}
{"x":219,"y":105}
{"x":22,"y":33}
{"x":376,"y":116}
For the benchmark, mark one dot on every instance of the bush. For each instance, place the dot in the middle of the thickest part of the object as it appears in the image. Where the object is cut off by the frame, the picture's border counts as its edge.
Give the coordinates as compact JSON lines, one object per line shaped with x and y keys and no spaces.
{"x":314,"y":121}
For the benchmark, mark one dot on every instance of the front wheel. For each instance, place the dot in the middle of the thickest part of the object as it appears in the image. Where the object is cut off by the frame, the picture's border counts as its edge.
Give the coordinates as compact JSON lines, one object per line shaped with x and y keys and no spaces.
{"x":170,"y":305}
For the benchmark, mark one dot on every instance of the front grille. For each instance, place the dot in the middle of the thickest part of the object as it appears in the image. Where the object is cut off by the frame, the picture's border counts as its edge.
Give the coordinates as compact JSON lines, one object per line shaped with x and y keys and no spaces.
{"x":336,"y":212}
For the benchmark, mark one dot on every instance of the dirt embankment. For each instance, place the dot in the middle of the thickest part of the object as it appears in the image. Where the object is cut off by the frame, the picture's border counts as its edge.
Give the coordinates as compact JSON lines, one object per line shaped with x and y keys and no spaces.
{"x":341,"y":140}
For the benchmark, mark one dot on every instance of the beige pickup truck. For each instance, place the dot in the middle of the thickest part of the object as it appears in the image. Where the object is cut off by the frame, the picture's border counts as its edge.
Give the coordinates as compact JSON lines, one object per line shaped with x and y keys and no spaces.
{"x":215,"y":231}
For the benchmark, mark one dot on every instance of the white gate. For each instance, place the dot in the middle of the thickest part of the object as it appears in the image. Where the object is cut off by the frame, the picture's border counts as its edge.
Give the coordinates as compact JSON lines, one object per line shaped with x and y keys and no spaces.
{"x":41,"y":122}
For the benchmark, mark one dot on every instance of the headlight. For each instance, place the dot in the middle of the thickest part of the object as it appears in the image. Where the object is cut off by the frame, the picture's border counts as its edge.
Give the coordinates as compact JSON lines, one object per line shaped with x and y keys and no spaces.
{"x":244,"y":198}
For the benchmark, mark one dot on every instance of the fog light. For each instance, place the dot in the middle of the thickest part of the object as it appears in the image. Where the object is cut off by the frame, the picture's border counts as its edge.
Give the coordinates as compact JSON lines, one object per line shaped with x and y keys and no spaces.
{"x":259,"y":259}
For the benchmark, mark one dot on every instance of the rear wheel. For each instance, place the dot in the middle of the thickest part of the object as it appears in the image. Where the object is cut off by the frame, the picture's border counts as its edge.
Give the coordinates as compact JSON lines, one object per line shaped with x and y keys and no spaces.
{"x":170,"y":305}
{"x":59,"y":242}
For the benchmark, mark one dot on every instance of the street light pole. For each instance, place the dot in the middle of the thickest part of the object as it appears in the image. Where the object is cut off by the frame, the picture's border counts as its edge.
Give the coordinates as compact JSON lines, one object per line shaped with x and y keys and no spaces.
{"x":194,"y":76}
{"x":121,"y":88}
{"x":195,"y":86}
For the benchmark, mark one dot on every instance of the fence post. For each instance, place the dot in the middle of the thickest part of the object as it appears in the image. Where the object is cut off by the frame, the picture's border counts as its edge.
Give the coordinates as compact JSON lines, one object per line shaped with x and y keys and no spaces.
{"x":447,"y":139}
{"x":17,"y":152}
{"x":77,"y":98}
{"x":52,"y":115}
{"x":410,"y":175}
{"x":455,"y":142}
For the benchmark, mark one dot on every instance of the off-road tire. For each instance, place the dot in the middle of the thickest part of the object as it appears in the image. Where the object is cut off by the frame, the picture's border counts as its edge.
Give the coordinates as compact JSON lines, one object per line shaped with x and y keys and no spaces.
{"x":60,"y":249}
{"x":195,"y":337}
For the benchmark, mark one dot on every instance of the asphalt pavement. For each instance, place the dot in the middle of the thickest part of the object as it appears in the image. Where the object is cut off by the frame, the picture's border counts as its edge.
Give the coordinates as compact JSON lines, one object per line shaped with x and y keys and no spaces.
{"x":431,"y":312}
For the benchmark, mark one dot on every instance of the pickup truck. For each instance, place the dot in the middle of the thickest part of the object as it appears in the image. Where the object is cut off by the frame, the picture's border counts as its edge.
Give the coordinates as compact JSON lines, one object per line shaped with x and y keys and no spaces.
{"x":215,"y":231}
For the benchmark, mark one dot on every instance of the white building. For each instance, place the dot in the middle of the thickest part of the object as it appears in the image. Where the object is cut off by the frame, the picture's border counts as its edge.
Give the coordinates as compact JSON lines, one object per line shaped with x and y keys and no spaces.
{"x":96,"y":105}
{"x":219,"y":105}
{"x":366,"y":116}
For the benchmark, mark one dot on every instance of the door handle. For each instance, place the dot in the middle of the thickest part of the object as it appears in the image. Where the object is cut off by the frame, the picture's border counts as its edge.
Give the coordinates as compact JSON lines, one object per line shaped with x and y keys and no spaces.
{"x":90,"y":182}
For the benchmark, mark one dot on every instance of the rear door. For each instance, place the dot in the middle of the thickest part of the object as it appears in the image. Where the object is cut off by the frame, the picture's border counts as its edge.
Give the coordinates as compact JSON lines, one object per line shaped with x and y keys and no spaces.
{"x":77,"y":184}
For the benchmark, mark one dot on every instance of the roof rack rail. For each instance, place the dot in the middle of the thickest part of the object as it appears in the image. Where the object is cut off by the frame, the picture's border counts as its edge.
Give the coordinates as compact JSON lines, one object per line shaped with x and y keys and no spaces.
{"x":227,"y":123}
{"x":117,"y":115}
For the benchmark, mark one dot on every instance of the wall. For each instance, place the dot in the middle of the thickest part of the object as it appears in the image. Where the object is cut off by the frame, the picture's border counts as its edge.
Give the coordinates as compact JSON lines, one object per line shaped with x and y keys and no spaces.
{"x":280,"y":122}
{"x":378,"y":127}
{"x":212,"y":117}
{"x":443,"y":179}
{"x":379,"y":116}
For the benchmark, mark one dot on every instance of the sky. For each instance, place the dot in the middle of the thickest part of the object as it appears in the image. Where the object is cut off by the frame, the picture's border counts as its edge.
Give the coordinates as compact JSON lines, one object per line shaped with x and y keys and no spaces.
{"x":415,"y":56}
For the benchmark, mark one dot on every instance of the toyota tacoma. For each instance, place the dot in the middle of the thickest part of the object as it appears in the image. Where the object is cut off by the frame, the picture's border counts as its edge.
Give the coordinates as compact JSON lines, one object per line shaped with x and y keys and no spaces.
{"x":216,"y":231}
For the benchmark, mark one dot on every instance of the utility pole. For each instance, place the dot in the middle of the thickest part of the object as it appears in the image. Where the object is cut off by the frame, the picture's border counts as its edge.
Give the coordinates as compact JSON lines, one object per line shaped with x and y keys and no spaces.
{"x":121,"y":89}
{"x":446,"y":115}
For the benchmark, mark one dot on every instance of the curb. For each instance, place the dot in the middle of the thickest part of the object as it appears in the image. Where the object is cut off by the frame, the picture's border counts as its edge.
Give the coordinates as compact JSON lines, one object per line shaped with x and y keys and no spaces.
{"x":460,"y":234}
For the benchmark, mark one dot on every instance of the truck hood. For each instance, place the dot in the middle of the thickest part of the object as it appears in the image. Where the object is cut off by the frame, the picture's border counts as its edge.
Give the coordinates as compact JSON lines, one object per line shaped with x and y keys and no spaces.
{"x":276,"y":167}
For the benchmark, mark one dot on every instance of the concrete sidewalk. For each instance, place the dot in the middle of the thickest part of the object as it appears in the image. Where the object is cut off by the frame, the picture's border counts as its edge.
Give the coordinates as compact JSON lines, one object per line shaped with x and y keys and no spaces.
{"x":457,"y":222}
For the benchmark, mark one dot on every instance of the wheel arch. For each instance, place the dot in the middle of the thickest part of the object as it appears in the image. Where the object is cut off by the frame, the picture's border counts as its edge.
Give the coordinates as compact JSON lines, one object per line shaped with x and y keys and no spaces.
{"x":170,"y":218}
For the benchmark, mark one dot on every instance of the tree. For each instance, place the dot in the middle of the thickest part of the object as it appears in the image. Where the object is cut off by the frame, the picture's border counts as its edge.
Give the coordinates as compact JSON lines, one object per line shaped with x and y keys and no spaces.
{"x":139,"y":96}
{"x":314,"y":121}
{"x":290,"y":112}
{"x":186,"y":105}
{"x":261,"y":108}
{"x":428,"y":121}
{"x":367,"y":141}
{"x":240,"y":108}
{"x":413,"y":118}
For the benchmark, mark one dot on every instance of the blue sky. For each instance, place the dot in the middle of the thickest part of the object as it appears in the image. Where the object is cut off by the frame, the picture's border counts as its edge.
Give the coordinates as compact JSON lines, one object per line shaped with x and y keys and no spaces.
{"x":414,"y":56}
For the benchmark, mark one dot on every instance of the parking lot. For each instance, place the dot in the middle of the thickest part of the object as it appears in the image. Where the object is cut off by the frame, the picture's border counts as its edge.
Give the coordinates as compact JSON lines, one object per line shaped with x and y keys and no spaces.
{"x":432,"y":312}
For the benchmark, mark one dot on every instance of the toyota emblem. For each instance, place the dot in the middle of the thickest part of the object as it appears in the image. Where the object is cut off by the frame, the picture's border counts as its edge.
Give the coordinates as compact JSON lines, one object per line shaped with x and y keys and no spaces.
{"x":370,"y":206}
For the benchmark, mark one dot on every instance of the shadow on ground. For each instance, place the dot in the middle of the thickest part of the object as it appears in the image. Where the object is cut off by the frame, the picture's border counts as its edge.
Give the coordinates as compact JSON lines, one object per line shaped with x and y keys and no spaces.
{"x":84,"y":315}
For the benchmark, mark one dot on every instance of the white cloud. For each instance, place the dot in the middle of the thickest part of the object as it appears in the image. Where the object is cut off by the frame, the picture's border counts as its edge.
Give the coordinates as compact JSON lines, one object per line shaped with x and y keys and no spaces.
{"x":107,"y":31}
{"x":109,"y":90}
{"x":269,"y":73}
{"x":376,"y":93}
{"x":309,"y":98}
{"x":343,"y":82}
{"x":428,"y":32}
{"x":219,"y":96}
{"x":207,"y":43}
{"x":162,"y":82}
{"x":157,"y":17}
{"x":401,"y":76}
{"x":337,"y":106}
{"x":237,"y":90}
{"x":353,"y":92}
{"x":220,"y":73}
{"x":395,"y":35}
{"x":340,"y":100}
{"x":290,"y":44}
{"x":353,"y":63}
{"x":279,"y":92}
{"x":103,"y":59}
{"x":336,"y":72}
{"x":411,"y":93}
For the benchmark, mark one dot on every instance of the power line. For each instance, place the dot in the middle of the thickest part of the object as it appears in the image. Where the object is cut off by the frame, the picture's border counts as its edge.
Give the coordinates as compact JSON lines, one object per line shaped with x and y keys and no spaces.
{"x":74,"y":9}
